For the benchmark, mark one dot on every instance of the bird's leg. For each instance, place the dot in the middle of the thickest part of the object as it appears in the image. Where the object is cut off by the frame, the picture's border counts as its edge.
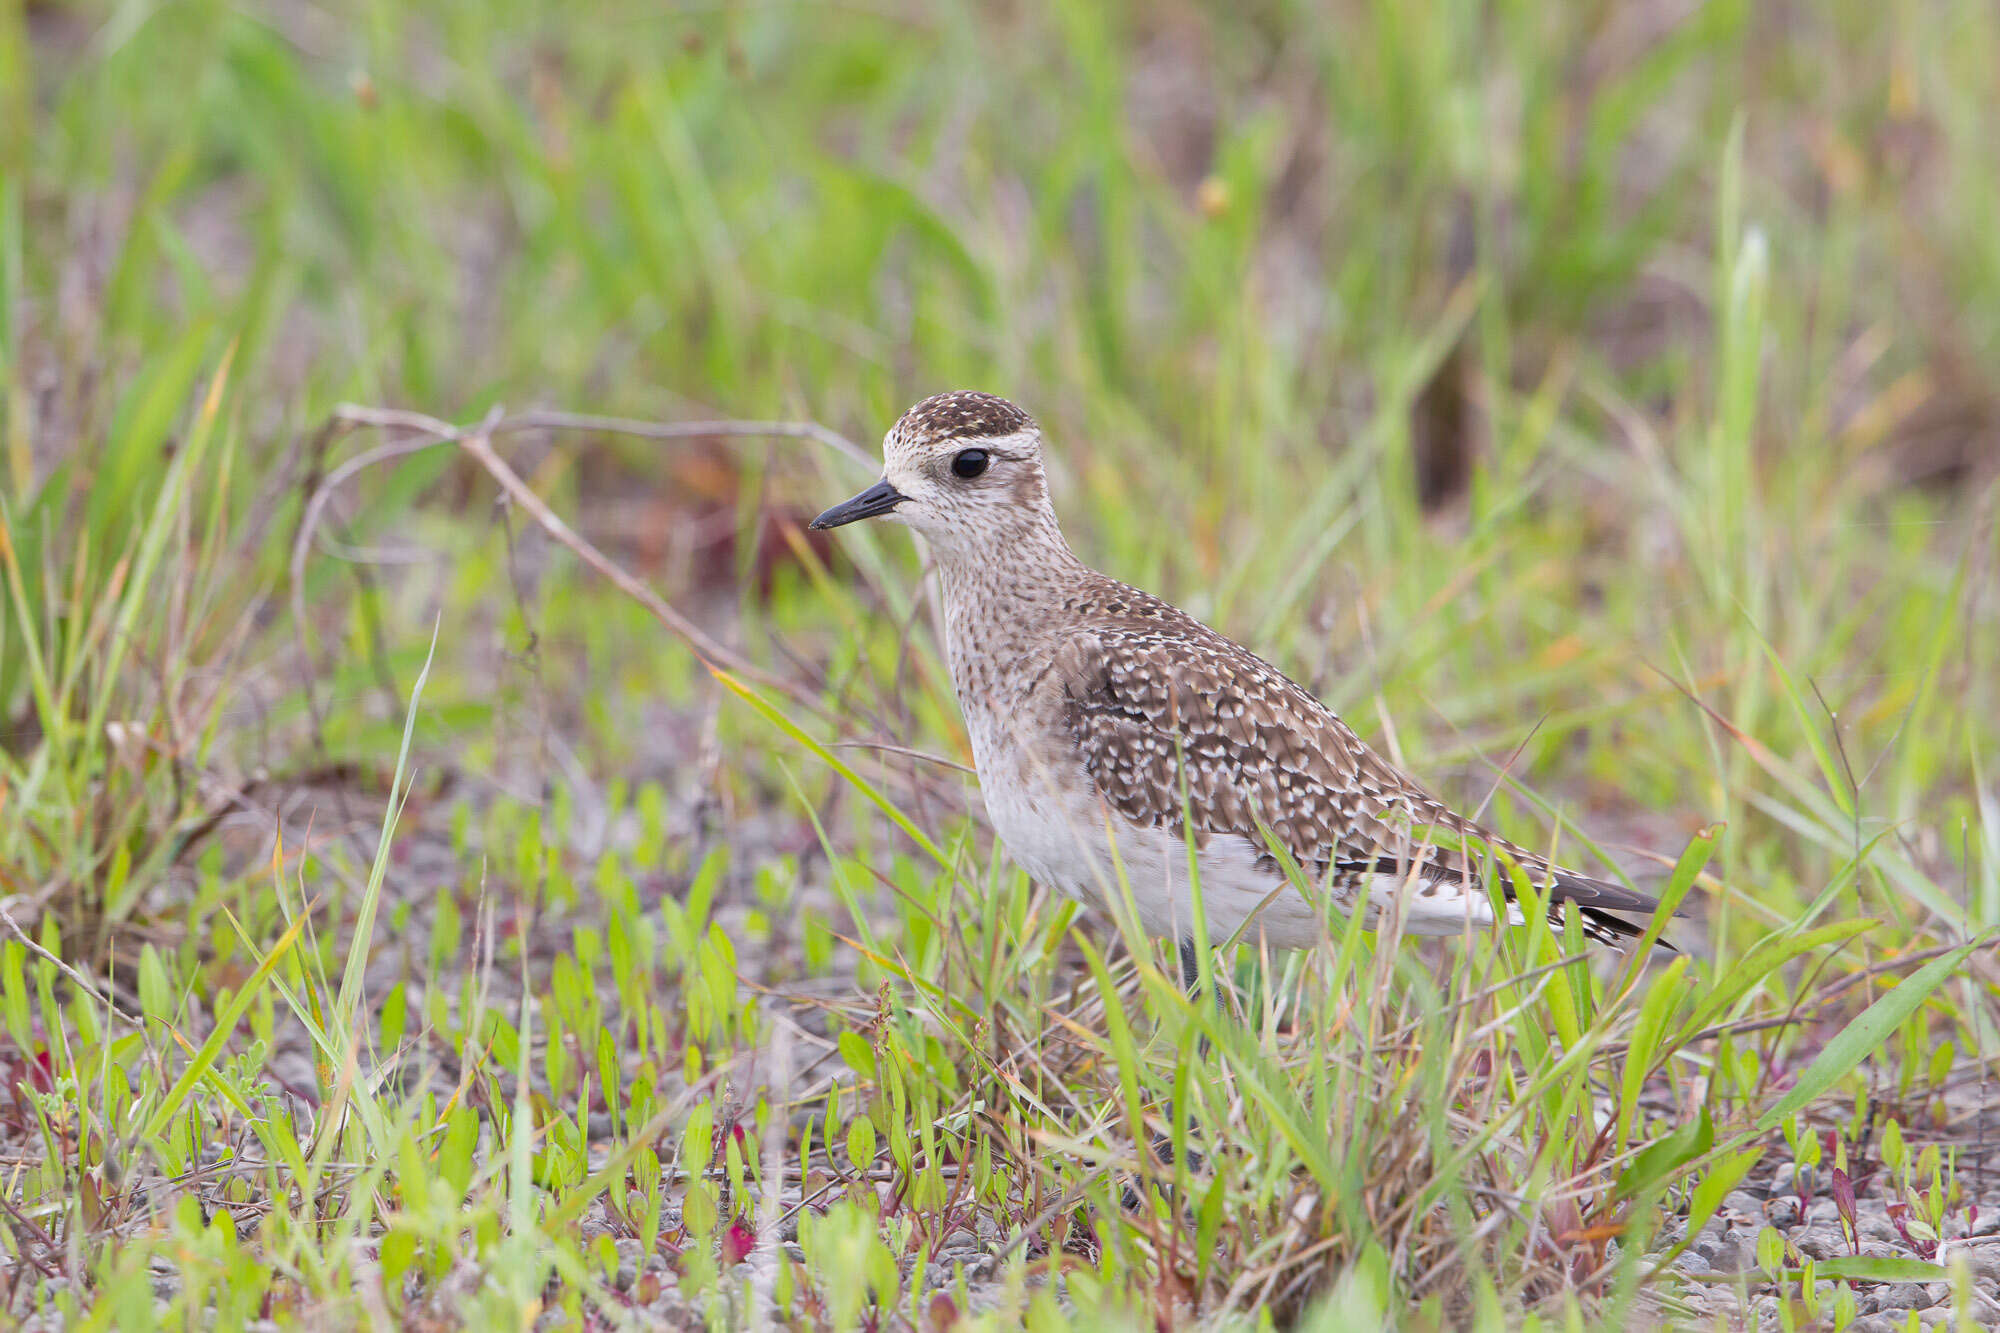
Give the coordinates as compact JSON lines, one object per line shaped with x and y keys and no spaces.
{"x":1190,"y":969}
{"x":1163,"y":1144}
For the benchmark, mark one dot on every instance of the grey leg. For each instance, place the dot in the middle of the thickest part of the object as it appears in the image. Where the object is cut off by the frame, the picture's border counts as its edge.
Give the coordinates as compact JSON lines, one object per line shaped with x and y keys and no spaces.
{"x":1163,"y":1145}
{"x":1190,"y":969}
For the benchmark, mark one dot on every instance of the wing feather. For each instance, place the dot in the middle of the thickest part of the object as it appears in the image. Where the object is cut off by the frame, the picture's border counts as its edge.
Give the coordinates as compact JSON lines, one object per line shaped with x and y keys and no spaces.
{"x":1164,"y":710}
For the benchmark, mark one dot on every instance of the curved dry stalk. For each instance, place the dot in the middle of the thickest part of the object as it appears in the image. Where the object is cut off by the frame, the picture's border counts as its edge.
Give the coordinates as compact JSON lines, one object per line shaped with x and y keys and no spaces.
{"x":714,"y":655}
{"x":680,"y":430}
{"x":76,"y":978}
{"x":426,"y":432}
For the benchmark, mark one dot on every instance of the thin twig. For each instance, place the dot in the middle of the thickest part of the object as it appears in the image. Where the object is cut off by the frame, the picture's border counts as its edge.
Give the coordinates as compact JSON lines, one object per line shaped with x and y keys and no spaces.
{"x":427,"y":432}
{"x":64,"y":968}
{"x":682,"y":430}
{"x":714,"y":655}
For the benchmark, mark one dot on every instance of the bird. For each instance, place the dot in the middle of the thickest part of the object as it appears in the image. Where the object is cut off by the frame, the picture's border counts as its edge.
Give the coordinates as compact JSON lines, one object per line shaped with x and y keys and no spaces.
{"x":1116,"y":737}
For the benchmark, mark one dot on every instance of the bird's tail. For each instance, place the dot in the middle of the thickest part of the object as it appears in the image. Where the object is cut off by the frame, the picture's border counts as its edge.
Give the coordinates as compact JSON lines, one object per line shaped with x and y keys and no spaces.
{"x":1596,"y":903}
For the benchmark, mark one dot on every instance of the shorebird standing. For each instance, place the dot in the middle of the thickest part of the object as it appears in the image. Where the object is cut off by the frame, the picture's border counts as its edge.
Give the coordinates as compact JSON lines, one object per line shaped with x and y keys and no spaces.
{"x":1099,"y":713}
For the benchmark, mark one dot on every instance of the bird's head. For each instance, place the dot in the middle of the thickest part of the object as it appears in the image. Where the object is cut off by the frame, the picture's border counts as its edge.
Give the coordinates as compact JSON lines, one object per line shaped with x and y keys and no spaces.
{"x":965,"y":470}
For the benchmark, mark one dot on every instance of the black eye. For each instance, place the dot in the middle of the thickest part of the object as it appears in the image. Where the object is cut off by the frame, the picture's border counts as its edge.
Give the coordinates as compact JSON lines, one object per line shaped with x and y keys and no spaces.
{"x":969,"y":463}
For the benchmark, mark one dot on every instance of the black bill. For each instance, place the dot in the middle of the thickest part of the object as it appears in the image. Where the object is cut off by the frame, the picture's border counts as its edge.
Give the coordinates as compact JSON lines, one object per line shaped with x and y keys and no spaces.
{"x":877,"y":499}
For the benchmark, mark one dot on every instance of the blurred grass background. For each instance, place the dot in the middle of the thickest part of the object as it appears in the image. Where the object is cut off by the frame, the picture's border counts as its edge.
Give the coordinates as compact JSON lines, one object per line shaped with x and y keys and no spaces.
{"x":1597,"y":392}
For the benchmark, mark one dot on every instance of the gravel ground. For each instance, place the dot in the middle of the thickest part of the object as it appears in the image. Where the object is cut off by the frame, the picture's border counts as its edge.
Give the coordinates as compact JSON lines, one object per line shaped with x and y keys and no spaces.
{"x":1721,"y":1264}
{"x":1800,"y":1206}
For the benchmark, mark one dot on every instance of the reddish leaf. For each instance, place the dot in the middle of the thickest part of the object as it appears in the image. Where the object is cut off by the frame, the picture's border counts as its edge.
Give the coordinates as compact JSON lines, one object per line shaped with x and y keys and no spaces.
{"x":1843,"y":1199}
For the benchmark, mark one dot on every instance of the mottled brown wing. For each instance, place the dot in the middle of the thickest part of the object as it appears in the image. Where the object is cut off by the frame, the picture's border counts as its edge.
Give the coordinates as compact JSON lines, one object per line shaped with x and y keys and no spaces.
{"x":1139,"y":697}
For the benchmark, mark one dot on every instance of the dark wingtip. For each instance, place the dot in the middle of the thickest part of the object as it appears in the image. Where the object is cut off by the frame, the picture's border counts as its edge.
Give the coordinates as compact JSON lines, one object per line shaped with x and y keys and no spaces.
{"x":1602,"y":894}
{"x":1616,"y":931}
{"x":1597,"y":899}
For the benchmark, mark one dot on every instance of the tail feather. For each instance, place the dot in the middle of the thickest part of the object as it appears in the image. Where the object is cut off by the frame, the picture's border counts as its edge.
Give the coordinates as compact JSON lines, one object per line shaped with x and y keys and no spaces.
{"x":1597,"y":902}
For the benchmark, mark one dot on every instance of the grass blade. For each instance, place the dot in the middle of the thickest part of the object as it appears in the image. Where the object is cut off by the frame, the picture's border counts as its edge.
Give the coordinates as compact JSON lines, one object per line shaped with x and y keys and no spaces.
{"x":1866,"y":1034}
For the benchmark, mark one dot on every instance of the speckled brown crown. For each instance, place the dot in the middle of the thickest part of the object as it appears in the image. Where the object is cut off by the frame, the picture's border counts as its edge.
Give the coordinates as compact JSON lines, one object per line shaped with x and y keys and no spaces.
{"x":964,"y":414}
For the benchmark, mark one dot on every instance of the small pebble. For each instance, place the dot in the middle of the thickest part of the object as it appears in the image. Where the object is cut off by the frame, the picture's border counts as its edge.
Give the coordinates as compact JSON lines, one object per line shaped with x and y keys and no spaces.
{"x":1876,"y":1227}
{"x":631,"y":1257}
{"x":1902,"y":1296}
{"x":1782,"y":1212}
{"x":1985,"y":1261}
{"x":1732,"y":1254}
{"x":1793,"y":1179}
{"x":1744,"y":1202}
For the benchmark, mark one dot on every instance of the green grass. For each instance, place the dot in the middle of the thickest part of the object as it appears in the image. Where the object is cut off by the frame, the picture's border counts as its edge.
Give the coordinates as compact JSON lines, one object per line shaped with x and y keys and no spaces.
{"x":407,"y":926}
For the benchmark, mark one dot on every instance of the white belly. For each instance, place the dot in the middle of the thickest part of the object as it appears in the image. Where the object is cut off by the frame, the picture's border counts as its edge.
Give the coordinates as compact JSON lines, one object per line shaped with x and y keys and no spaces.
{"x":1062,"y":836}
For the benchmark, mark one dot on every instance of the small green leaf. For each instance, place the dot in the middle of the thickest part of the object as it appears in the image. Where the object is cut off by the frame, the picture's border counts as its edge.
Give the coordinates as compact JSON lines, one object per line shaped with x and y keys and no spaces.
{"x":698,"y":1210}
{"x":860,"y":1056}
{"x":454,"y":1157}
{"x":861,"y":1142}
{"x":397,"y":1252}
{"x":156,"y":996}
{"x":1665,"y":1156}
{"x":698,"y":1139}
